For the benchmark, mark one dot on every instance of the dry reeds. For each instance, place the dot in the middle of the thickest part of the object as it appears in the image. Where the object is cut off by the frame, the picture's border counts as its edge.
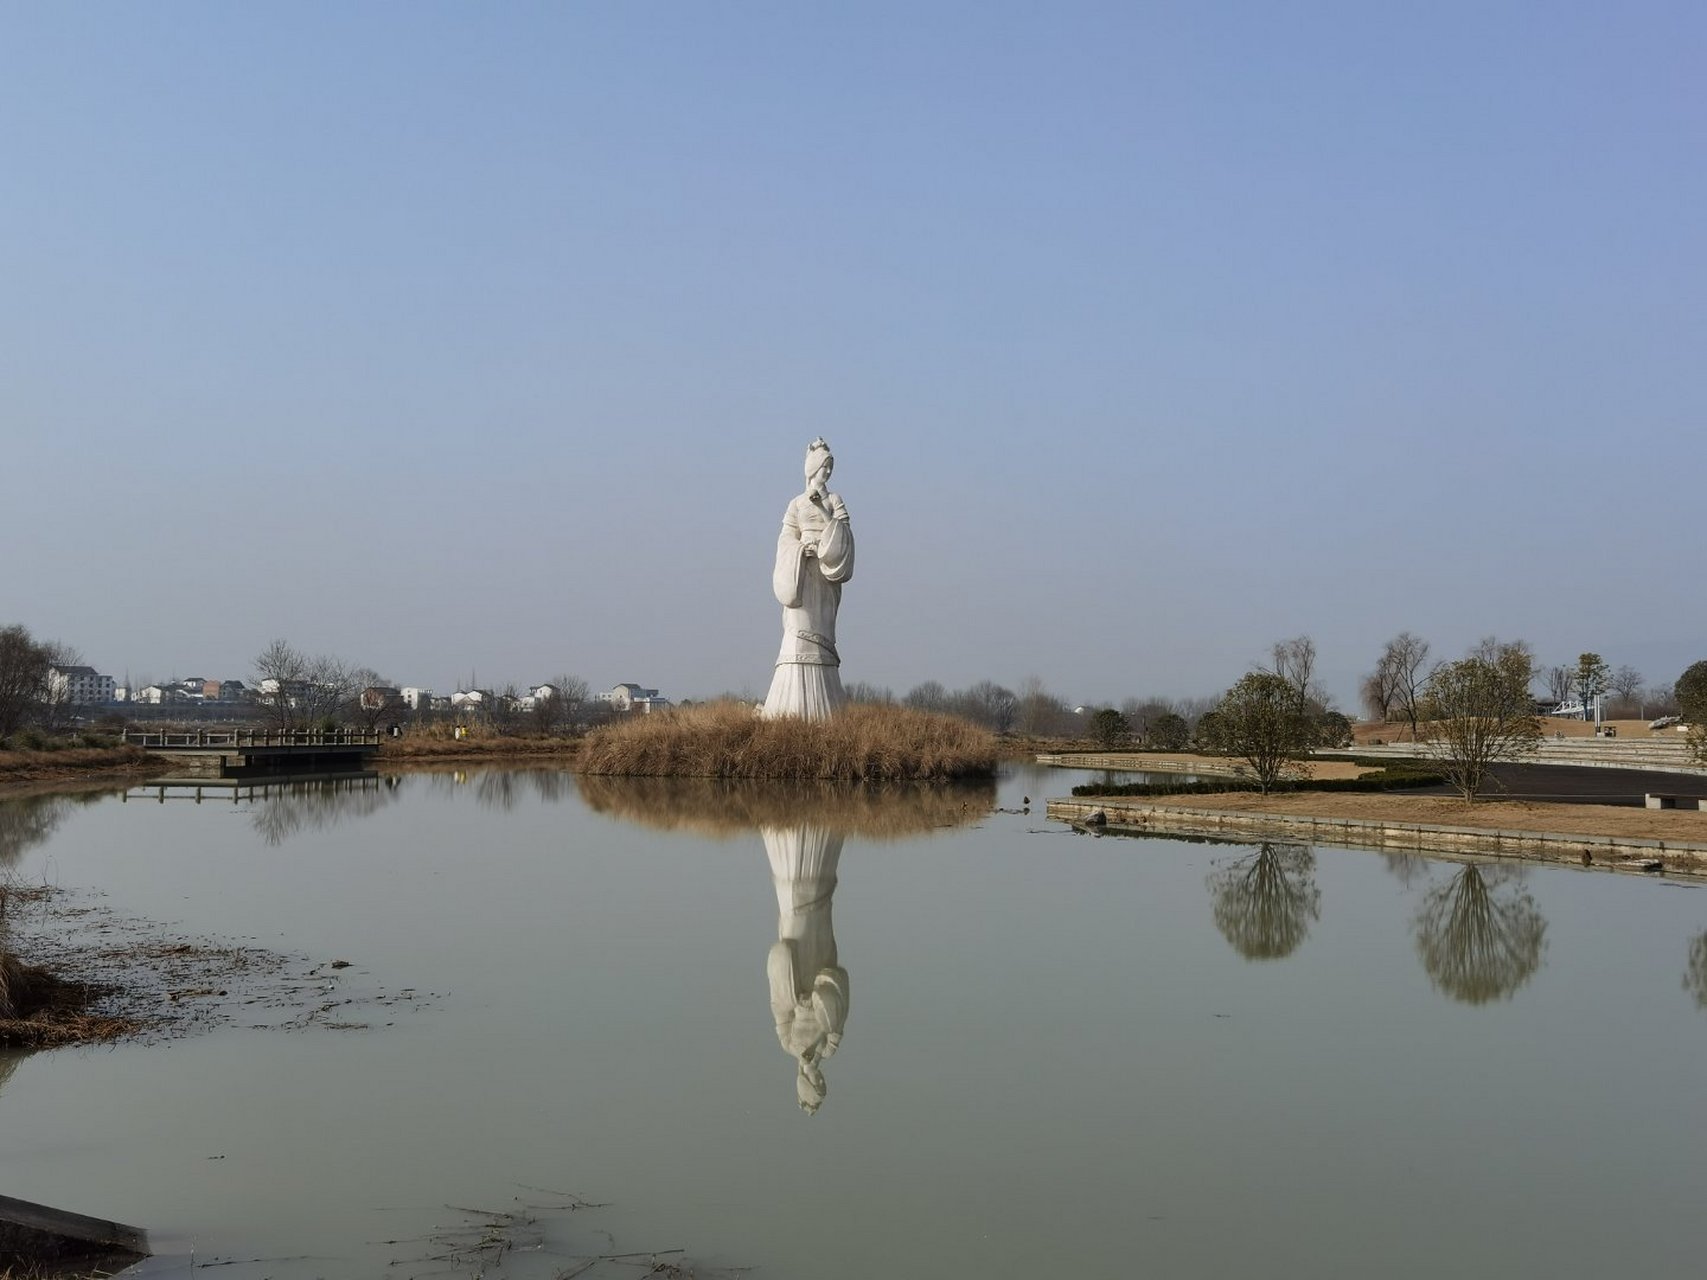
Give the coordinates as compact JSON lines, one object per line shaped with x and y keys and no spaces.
{"x":863,"y":743}
{"x":41,"y":1011}
{"x":25,"y":766}
{"x":725,"y":808}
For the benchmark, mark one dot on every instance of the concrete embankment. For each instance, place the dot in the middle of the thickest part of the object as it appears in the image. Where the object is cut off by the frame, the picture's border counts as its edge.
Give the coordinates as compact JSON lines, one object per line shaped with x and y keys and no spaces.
{"x":1210,"y":766}
{"x":1624,"y":853}
{"x":1655,"y":755}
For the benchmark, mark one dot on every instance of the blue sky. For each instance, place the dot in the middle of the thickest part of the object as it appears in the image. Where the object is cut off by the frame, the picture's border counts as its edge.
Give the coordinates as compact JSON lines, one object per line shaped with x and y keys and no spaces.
{"x":455,"y":337}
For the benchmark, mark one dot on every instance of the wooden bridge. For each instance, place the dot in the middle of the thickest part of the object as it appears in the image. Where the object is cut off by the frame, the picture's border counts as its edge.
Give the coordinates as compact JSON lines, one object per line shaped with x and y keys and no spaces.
{"x":258,"y":753}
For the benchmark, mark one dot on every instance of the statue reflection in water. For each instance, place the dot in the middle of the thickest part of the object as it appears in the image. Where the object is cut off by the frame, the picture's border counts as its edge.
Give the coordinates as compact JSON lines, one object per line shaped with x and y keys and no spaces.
{"x":809,"y":989}
{"x":1480,"y":935}
{"x":1264,"y":904}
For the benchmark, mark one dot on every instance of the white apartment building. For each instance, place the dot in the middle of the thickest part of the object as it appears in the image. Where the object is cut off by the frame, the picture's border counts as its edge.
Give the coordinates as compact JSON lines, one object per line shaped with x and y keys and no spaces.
{"x":79,"y":686}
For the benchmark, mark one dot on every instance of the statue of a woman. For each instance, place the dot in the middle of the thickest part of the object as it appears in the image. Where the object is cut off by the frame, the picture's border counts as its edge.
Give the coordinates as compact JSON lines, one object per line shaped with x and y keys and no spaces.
{"x":814,"y":557}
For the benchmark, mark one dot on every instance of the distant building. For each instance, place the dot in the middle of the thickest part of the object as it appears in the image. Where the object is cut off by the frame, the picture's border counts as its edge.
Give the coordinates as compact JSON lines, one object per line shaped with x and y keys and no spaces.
{"x":471,"y":699}
{"x":79,"y":686}
{"x":382,"y":697}
{"x":632,"y":697}
{"x":417,"y":699}
{"x":231,"y":691}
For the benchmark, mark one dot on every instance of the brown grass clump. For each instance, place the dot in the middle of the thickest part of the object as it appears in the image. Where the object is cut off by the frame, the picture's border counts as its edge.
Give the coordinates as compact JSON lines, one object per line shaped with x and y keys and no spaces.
{"x":864,"y":743}
{"x":74,"y":762}
{"x":41,"y":1011}
{"x":437,"y":747}
{"x":724,"y":808}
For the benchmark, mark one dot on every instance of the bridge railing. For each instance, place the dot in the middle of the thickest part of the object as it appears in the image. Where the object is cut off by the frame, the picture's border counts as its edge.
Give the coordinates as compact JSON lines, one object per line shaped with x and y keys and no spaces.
{"x":240,"y":739}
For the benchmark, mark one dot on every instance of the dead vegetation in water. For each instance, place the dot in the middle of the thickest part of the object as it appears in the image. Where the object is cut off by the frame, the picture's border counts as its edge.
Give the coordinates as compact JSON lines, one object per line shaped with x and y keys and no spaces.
{"x":864,"y":743}
{"x":726,"y":808}
{"x":526,"y":1240}
{"x":94,"y":976}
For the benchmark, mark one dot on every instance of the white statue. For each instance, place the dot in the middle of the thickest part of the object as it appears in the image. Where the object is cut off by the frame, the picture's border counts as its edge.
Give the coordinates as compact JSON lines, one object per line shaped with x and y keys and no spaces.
{"x":809,"y":989}
{"x":814,"y":557}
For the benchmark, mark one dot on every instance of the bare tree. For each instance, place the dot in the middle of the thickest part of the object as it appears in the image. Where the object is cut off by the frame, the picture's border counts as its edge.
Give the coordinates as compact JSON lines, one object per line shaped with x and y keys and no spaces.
{"x":929,"y":696}
{"x":1479,"y":711}
{"x":1378,"y":692}
{"x":23,"y":678}
{"x":1405,"y":658}
{"x":1626,"y":686}
{"x":299,"y":690}
{"x":864,"y":691}
{"x":562,"y":707}
{"x":1295,"y":663}
{"x":1659,"y":699}
{"x":1040,"y":712}
{"x":991,"y":705}
{"x":1560,"y":680}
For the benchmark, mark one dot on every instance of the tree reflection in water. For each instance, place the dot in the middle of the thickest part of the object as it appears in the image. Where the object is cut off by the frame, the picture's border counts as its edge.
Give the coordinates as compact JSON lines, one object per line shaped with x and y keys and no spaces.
{"x":295,"y":807}
{"x":1264,"y":903}
{"x":28,"y":820}
{"x":1408,"y":868}
{"x":1480,"y":935}
{"x":1695,"y":975}
{"x":8,"y":1064}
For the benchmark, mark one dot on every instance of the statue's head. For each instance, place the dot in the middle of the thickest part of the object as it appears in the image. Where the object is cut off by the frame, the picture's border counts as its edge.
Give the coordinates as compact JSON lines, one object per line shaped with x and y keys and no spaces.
{"x":819,"y":463}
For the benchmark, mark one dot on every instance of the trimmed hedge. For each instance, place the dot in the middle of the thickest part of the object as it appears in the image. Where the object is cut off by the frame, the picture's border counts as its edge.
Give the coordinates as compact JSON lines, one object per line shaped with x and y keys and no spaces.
{"x":1390,"y":779}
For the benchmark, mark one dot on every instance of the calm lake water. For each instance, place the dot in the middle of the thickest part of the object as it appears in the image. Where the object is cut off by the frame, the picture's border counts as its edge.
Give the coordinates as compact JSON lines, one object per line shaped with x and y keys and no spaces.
{"x":1054,"y":1056}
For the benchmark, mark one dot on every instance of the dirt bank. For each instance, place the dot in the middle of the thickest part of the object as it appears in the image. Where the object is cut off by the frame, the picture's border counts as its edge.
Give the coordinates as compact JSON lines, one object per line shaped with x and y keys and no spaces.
{"x":484,"y":750}
{"x":1620,"y":837}
{"x":22,"y":771}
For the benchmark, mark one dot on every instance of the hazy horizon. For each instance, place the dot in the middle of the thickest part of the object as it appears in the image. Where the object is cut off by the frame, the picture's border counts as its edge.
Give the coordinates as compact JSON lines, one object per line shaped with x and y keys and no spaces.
{"x":453,"y":340}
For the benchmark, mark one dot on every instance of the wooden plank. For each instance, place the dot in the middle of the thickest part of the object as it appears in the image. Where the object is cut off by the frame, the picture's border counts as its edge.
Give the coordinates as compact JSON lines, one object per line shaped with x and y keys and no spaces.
{"x":71,"y":1227}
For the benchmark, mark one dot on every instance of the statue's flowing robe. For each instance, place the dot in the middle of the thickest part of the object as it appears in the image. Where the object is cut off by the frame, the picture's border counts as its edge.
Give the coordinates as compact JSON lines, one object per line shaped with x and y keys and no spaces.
{"x":809,"y":989}
{"x":808,"y":679}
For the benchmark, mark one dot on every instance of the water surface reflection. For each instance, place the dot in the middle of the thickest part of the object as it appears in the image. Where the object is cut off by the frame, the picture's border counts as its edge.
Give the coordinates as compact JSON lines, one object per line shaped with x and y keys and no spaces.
{"x":1695,"y":972}
{"x":809,"y":988}
{"x":802,"y":827}
{"x":1264,"y":904}
{"x":1480,"y":935}
{"x":26,"y":821}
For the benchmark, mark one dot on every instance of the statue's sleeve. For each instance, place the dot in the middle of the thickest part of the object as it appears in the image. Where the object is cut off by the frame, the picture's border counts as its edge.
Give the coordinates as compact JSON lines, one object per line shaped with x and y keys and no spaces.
{"x":830,"y":998}
{"x":785,"y":580}
{"x":836,"y":551}
{"x":779,"y":969}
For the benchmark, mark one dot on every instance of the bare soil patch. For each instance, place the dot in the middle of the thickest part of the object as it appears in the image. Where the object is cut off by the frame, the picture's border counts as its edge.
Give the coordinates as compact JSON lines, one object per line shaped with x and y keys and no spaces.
{"x":1507,"y":815}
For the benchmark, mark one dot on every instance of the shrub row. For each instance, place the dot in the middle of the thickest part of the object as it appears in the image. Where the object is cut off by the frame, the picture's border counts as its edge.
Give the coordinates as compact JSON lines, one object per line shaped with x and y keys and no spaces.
{"x":1396,"y":779}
